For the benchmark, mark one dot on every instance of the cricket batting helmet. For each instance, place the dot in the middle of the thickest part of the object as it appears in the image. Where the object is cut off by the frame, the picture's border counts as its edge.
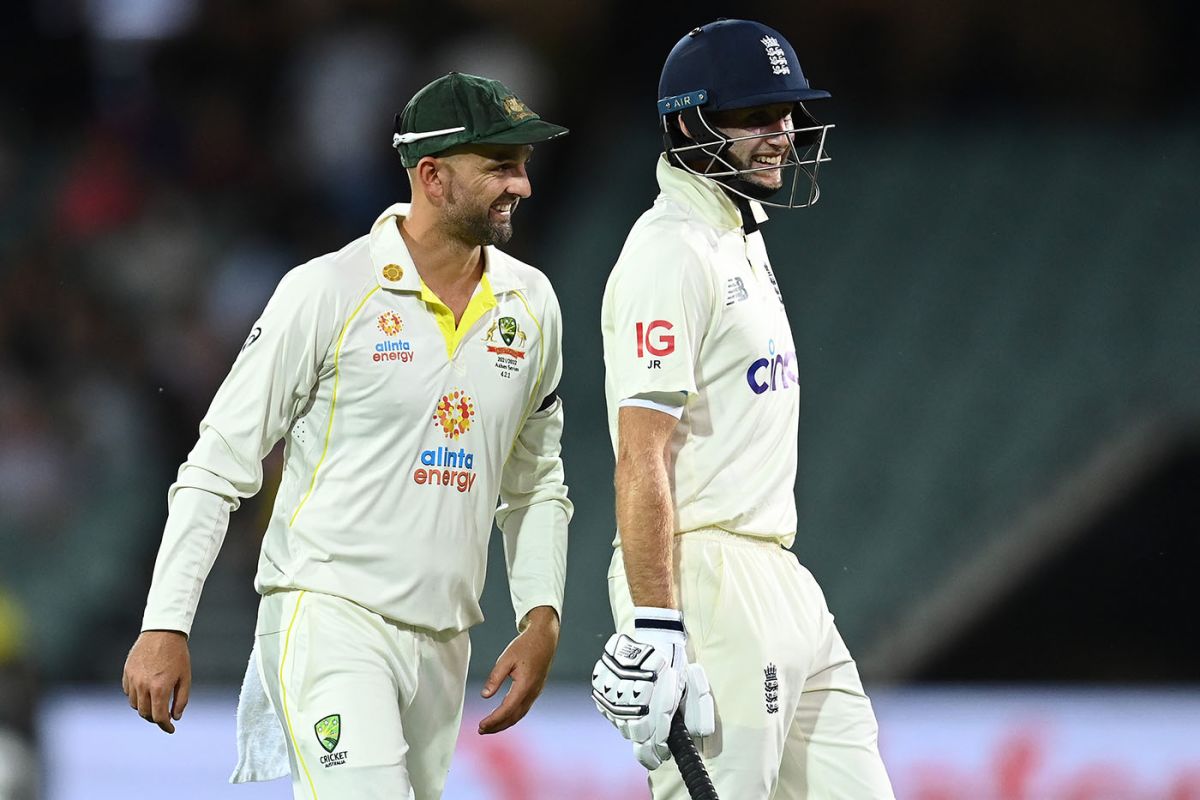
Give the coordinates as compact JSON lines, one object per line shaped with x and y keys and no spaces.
{"x":732,"y":64}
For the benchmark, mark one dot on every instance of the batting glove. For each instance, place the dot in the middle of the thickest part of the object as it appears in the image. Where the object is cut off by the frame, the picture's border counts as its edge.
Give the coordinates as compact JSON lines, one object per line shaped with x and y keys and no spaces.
{"x":638,"y":684}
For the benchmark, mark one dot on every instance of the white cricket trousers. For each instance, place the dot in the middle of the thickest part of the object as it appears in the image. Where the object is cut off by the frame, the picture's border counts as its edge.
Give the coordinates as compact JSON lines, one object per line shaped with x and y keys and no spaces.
{"x":793,"y":721}
{"x":371,"y":707}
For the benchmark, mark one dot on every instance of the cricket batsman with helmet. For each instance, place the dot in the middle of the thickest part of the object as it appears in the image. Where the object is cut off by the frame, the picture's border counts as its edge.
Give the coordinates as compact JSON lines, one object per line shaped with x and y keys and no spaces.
{"x":714,"y":614}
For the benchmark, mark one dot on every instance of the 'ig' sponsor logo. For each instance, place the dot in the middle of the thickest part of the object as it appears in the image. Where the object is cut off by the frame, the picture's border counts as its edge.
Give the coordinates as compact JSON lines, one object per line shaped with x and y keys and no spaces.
{"x":776,"y":371}
{"x":652,"y":339}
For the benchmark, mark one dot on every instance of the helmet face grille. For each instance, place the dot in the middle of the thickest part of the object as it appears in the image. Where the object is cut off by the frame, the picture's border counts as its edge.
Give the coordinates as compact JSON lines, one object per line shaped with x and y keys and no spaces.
{"x":707,"y":155}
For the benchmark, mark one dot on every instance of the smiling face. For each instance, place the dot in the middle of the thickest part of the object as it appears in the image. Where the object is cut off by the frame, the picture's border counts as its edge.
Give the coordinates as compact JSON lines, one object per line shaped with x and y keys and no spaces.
{"x":772,"y":127}
{"x":483,"y":185}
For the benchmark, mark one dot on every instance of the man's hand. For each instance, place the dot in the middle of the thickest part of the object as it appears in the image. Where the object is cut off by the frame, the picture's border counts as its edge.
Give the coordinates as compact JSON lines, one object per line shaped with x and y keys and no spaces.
{"x":638,"y":685}
{"x":527,"y":661}
{"x":158,"y":677}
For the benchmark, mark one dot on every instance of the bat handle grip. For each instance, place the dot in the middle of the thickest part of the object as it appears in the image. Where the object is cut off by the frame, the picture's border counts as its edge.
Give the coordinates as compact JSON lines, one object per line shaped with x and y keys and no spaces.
{"x":687,"y":758}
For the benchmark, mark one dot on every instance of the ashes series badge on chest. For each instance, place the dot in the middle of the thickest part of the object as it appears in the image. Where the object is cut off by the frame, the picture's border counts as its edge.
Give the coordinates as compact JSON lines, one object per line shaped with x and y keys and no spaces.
{"x":500,"y":338}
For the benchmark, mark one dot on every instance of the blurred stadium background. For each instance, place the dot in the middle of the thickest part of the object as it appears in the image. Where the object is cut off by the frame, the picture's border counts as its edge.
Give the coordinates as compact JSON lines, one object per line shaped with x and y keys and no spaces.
{"x":995,"y":304}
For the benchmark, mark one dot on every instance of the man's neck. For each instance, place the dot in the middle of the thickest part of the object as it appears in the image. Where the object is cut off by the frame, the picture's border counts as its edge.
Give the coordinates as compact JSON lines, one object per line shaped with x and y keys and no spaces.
{"x":449,"y":268}
{"x":445,"y":264}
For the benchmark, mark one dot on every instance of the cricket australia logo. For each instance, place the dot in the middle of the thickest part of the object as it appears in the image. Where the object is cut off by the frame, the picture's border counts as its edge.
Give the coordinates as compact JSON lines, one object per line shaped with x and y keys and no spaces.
{"x":329,"y":733}
{"x":779,"y":62}
{"x":771,"y":688}
{"x":507,"y":356}
{"x":515,"y":109}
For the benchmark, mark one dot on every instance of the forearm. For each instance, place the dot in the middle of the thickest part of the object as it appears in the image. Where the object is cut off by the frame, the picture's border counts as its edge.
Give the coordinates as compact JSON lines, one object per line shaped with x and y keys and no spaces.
{"x":543,"y":618}
{"x":192,"y":537}
{"x":535,"y":549}
{"x":646,"y":519}
{"x":534,"y":513}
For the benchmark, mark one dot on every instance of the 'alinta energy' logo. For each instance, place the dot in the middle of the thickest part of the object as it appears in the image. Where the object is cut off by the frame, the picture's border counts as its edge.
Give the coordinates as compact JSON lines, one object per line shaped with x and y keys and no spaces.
{"x":390,"y":323}
{"x":392,"y":349}
{"x":454,"y":413}
{"x":444,"y":466}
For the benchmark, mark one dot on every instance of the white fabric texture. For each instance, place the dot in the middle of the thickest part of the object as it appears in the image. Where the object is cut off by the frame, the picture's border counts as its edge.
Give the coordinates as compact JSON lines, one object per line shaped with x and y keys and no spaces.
{"x":793,"y":720}
{"x":692,"y":306}
{"x":261,"y":742}
{"x":395,"y":691}
{"x":402,"y":436}
{"x":675,"y":411}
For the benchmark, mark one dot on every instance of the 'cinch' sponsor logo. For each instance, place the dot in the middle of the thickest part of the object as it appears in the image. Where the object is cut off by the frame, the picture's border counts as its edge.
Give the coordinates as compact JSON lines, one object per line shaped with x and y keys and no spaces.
{"x":775,"y":372}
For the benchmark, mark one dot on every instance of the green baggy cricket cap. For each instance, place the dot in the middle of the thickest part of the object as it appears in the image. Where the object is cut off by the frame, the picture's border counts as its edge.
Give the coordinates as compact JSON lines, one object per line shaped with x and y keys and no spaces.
{"x":461,"y":109}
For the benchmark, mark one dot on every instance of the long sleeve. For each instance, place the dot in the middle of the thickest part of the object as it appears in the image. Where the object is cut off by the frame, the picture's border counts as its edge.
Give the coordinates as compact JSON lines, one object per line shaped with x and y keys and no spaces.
{"x":269,"y":383}
{"x":534,"y":509}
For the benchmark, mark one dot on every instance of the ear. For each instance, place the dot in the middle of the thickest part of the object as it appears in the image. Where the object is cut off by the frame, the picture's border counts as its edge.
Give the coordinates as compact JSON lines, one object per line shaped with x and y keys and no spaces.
{"x":683,"y":127}
{"x":428,"y":176}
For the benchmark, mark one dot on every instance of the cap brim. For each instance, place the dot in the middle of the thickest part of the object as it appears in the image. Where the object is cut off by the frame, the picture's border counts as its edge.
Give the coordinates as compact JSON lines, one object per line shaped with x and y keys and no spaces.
{"x":789,"y":96}
{"x":529,"y":132}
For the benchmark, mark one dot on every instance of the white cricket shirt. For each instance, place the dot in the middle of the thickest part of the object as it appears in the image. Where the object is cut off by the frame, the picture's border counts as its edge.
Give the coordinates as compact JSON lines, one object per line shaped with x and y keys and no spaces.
{"x":692,"y":307}
{"x":401,"y":433}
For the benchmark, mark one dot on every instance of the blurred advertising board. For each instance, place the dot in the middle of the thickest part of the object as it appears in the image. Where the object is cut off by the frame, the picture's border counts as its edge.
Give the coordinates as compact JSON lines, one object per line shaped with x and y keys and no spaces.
{"x":939,"y":744}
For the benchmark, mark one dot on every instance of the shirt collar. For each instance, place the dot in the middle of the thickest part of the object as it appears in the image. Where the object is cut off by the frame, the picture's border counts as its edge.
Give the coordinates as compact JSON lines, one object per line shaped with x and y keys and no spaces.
{"x":394,"y":267}
{"x":703,"y":195}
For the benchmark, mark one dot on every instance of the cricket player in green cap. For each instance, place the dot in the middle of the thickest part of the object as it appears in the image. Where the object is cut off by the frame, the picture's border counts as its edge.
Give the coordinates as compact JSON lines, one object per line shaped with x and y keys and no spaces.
{"x":412,"y":375}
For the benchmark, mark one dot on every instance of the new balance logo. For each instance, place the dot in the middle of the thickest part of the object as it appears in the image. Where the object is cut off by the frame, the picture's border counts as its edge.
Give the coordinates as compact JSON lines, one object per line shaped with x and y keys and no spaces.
{"x":735,"y":291}
{"x":771,"y":688}
{"x":629,"y":651}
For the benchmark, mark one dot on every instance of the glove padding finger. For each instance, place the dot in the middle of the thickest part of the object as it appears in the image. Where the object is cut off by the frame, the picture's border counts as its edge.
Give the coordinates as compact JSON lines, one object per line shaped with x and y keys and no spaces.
{"x":699,"y":713}
{"x":638,"y":683}
{"x":651,"y":755}
{"x":623,"y":680}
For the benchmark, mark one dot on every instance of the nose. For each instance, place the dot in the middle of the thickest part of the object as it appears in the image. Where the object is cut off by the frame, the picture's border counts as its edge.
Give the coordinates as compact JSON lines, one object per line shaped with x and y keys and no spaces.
{"x":779,"y":130}
{"x":518,"y":183}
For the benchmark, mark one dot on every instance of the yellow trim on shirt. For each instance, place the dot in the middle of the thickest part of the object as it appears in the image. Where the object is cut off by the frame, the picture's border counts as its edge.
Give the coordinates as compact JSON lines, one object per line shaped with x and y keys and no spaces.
{"x":287,"y":640}
{"x":541,"y":352}
{"x":337,"y":353}
{"x":481,"y":302}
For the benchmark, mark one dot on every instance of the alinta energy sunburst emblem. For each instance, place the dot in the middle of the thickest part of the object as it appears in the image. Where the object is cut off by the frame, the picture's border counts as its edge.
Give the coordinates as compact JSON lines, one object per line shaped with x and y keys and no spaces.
{"x":454,"y":414}
{"x":390,"y":323}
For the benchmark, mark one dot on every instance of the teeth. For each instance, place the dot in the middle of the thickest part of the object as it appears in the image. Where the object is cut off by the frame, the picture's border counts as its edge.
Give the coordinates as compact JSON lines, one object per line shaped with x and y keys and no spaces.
{"x":772,"y":160}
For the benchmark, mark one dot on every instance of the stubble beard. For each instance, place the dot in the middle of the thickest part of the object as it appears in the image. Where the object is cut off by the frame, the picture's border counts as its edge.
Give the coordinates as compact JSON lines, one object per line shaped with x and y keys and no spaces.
{"x":469,"y":223}
{"x":759,"y":180}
